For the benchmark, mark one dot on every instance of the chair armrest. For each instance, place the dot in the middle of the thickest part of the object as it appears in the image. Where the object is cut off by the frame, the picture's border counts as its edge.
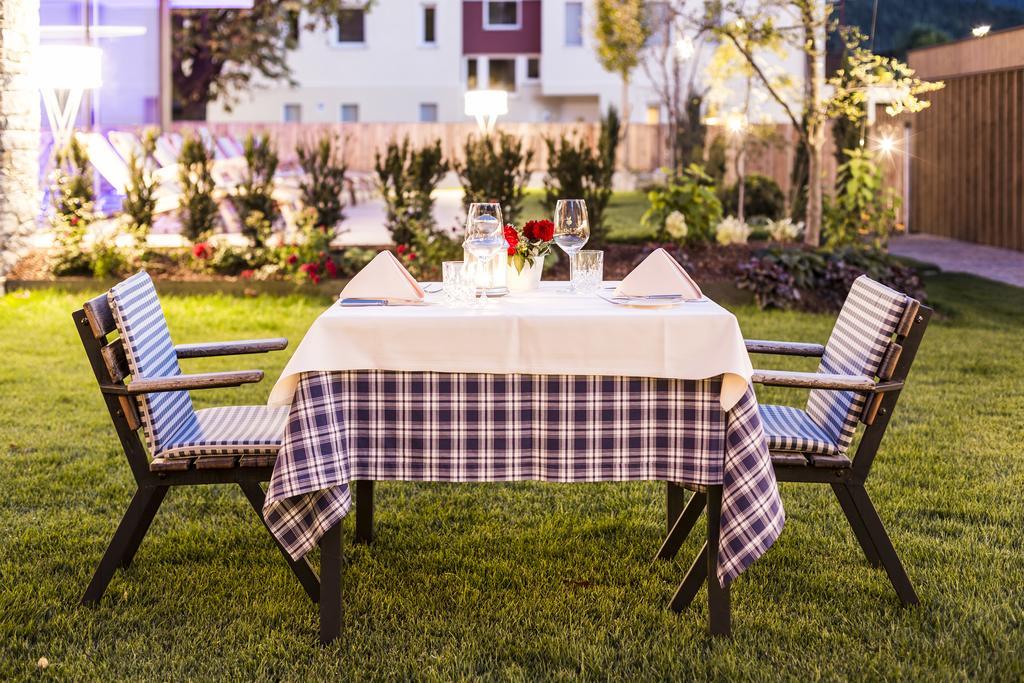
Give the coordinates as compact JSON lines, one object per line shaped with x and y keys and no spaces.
{"x":203,"y":380}
{"x":781,"y":348}
{"x":230,"y":348}
{"x":822,"y":380}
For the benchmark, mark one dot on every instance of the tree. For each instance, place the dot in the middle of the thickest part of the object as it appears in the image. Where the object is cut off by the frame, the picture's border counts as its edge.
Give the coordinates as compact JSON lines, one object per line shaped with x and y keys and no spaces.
{"x":621,"y":31}
{"x":217,"y":53}
{"x":748,"y":28}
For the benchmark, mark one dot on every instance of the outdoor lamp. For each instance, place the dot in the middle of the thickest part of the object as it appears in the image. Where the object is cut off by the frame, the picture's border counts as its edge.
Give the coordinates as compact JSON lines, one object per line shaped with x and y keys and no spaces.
{"x":486,"y":106}
{"x":63,"y":74}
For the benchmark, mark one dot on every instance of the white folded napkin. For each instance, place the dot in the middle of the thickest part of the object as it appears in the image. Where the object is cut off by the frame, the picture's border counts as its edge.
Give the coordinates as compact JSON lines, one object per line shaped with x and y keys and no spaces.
{"x":384,"y":278}
{"x":659,"y":275}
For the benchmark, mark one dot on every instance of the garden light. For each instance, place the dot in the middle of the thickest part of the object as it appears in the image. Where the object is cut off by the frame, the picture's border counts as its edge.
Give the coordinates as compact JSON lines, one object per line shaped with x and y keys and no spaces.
{"x":684,"y":48}
{"x":980,"y":31}
{"x":63,"y":74}
{"x":886,"y":144}
{"x":736,"y":123}
{"x":486,"y":106}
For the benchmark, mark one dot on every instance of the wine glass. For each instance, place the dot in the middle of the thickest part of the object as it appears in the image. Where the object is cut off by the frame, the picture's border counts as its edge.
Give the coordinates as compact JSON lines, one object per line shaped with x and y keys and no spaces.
{"x":485,"y":236}
{"x":572,"y":230}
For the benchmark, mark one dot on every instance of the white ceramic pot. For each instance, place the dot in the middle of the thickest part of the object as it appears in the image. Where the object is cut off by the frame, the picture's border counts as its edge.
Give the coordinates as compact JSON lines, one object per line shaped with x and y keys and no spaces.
{"x":527,"y":280}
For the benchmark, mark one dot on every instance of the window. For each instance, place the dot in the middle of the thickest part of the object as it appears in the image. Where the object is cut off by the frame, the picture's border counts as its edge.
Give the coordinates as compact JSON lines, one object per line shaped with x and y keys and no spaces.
{"x":502,"y":74}
{"x":428,"y":112}
{"x":573,"y":24}
{"x":291,"y":39}
{"x":658,"y":23}
{"x":293,"y":113}
{"x":350,"y":113}
{"x":653,"y":113}
{"x":471,"y":78}
{"x":429,"y":25}
{"x":533,"y":68}
{"x":351,"y":26}
{"x":501,"y":14}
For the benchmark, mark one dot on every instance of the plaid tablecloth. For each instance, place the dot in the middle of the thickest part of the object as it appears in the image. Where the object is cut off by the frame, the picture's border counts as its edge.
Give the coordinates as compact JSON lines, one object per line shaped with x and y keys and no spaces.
{"x":426,"y":426}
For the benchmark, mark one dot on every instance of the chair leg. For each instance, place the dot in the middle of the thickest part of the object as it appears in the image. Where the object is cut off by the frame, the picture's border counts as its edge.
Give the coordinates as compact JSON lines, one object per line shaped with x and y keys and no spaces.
{"x":364,"y":512}
{"x":148,"y":513}
{"x":720,"y":621}
{"x":675,"y":496}
{"x":685,"y":521}
{"x":129,"y":532}
{"x":303,"y":572}
{"x":330,"y":584}
{"x":887,"y":554}
{"x":857,"y":524}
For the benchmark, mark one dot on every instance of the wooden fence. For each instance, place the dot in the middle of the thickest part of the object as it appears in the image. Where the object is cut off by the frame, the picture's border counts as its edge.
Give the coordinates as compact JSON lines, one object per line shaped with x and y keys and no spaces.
{"x":967,"y":160}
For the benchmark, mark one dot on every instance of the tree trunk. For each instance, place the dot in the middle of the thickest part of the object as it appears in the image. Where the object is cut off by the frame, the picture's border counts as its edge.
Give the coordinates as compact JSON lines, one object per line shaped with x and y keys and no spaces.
{"x":19,"y":128}
{"x":625,"y":121}
{"x":192,"y":111}
{"x":814,"y":28}
{"x":812,"y":221}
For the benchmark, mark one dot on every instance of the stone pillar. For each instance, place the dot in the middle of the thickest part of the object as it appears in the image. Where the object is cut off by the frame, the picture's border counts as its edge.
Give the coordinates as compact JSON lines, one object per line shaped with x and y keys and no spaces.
{"x":19,"y":128}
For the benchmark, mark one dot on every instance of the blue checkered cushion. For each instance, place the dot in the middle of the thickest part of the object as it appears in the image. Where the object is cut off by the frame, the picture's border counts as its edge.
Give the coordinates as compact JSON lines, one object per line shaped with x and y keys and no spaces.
{"x":862,"y":333}
{"x":150,"y":352}
{"x":235,"y":430}
{"x":793,"y":430}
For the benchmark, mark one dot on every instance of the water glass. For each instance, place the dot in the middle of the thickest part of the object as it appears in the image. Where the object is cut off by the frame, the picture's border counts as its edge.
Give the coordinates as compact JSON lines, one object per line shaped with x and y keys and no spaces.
{"x":589,"y":271}
{"x":457,"y":282}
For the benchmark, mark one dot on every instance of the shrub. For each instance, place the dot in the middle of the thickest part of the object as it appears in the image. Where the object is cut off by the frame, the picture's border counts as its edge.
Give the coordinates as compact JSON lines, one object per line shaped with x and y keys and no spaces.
{"x":496,"y":169}
{"x":255,"y":193}
{"x":407,"y":178}
{"x":732,"y":231}
{"x":198,"y":211}
{"x":323,"y":183}
{"x":692,"y":194}
{"x":73,"y":200}
{"x":820,"y":279}
{"x":762,"y":197}
{"x":784,"y":230}
{"x":863,"y":211}
{"x":309,"y":257}
{"x":577,"y":170}
{"x":140,"y":195}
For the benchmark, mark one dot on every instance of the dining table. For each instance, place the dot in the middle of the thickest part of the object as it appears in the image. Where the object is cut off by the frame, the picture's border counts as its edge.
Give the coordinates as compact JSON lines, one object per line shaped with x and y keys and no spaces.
{"x":548,"y":385}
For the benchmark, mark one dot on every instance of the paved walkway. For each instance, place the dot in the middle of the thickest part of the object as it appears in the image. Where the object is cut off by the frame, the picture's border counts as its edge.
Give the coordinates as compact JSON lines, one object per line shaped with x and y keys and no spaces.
{"x":1002,"y":265}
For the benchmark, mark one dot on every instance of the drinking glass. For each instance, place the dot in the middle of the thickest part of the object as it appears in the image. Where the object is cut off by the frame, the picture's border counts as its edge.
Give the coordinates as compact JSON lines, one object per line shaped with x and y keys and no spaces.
{"x":485,"y":236}
{"x":572,"y":230}
{"x":457,"y":283}
{"x":589,"y":271}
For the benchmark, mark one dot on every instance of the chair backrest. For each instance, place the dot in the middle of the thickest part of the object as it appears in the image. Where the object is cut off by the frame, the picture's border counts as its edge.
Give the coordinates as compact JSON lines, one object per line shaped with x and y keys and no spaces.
{"x":150,"y":353}
{"x":858,"y":345}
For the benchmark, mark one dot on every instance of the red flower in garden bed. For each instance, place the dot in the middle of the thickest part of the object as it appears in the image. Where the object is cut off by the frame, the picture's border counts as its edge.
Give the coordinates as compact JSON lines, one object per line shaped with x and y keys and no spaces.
{"x":202,"y":250}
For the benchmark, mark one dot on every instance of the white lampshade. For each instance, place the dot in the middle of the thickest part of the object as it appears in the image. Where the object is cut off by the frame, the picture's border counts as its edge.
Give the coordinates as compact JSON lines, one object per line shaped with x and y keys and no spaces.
{"x":63,"y":67}
{"x":486,"y":103}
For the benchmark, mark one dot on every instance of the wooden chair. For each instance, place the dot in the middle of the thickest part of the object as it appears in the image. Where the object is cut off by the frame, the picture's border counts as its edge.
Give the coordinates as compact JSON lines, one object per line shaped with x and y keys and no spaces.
{"x":863,"y":368}
{"x":125,"y":335}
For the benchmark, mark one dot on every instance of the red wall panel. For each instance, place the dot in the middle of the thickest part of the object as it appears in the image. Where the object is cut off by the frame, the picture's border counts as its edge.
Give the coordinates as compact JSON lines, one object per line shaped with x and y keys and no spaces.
{"x":476,"y":40}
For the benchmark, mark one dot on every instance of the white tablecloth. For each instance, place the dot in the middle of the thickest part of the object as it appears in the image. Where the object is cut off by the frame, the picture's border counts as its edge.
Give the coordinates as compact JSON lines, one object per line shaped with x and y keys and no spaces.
{"x":543,"y":332}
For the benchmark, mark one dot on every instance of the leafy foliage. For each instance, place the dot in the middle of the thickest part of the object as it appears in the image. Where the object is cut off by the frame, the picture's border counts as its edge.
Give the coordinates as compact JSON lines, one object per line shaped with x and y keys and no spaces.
{"x":820,"y":279}
{"x":762,"y":197}
{"x":254,"y":195}
{"x":73,"y":200}
{"x":496,"y":169}
{"x":323,"y":181}
{"x":407,"y":178}
{"x":576,"y":170}
{"x":692,"y":193}
{"x":621,"y":30}
{"x":863,"y":211}
{"x":198,"y":210}
{"x":140,"y":195}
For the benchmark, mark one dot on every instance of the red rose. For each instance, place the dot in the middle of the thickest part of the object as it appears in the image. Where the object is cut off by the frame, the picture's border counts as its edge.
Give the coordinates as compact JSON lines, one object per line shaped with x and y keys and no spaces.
{"x":412,"y":255}
{"x":543,"y":230}
{"x":332,"y":270}
{"x":512,"y":238}
{"x":310,"y":268}
{"x":292,"y":258}
{"x":315,"y":278}
{"x":248,"y":274}
{"x":401,"y":249}
{"x":201,"y":250}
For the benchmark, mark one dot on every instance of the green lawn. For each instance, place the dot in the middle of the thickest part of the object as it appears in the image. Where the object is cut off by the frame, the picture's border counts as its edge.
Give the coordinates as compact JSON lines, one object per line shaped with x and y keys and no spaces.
{"x":623,"y":214}
{"x":518,"y":581}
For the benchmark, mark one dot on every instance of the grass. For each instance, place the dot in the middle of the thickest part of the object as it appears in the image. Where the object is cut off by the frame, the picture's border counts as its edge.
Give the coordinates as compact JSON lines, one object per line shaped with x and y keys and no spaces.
{"x":514,"y":581}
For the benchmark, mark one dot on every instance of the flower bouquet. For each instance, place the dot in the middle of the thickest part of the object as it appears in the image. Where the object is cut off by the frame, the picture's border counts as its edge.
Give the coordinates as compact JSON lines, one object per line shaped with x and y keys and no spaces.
{"x":527,"y":248}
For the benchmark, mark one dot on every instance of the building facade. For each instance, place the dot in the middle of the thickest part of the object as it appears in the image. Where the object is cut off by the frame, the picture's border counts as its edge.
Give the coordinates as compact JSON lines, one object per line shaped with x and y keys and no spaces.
{"x":413,"y":60}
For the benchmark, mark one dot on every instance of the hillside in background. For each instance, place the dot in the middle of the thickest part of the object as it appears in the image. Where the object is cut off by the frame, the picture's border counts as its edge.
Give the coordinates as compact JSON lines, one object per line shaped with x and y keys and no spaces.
{"x":904,"y":24}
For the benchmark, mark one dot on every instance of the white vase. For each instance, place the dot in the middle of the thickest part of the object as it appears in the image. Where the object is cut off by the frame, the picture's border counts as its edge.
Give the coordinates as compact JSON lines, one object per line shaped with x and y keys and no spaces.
{"x":527,"y":280}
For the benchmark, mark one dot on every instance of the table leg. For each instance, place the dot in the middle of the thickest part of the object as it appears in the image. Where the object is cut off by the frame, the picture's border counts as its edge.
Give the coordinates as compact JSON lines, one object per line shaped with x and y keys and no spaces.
{"x":364,"y":512}
{"x":674,"y":498}
{"x":718,"y":597}
{"x":330,"y":584}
